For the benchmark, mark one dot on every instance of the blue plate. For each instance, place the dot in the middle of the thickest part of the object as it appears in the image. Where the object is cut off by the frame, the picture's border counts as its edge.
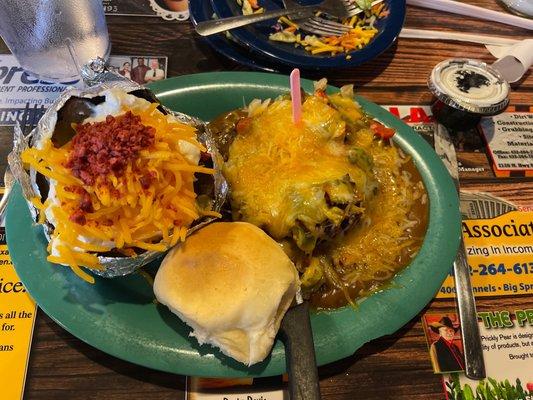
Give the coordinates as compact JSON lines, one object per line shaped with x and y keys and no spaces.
{"x":256,"y":37}
{"x":203,"y":11}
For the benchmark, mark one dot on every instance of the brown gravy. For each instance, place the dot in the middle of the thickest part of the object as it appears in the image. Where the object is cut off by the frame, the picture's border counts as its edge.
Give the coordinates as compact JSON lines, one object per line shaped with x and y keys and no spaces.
{"x":330,"y":297}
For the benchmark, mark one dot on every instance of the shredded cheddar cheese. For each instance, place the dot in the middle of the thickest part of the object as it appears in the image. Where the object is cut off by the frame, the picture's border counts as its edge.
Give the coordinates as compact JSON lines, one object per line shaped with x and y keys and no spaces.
{"x":125,"y":213}
{"x":361,"y":32}
{"x":301,"y":165}
{"x":346,"y":204}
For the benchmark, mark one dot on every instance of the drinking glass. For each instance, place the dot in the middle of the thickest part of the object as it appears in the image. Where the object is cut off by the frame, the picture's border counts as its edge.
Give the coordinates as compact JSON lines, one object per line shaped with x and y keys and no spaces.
{"x":53,"y":39}
{"x":520,"y":7}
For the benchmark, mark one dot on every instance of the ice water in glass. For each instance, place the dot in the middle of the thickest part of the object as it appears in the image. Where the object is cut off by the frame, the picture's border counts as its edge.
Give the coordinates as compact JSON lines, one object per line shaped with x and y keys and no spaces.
{"x":53,"y":39}
{"x":521,"y":7}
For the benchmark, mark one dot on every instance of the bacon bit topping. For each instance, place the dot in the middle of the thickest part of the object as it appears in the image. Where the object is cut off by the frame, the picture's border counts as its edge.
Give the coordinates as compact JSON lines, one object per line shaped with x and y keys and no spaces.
{"x":146,"y":180}
{"x":85,"y":203}
{"x":78,"y":217}
{"x":101,"y":148}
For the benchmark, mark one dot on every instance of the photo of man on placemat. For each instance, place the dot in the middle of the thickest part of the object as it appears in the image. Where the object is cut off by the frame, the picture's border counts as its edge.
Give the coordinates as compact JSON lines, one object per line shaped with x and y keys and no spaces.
{"x":445,"y":343}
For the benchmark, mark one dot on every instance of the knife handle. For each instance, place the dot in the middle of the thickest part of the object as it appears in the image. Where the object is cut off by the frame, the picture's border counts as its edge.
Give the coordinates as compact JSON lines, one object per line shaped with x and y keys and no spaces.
{"x":206,"y":28}
{"x":297,"y":337}
{"x":474,"y":363}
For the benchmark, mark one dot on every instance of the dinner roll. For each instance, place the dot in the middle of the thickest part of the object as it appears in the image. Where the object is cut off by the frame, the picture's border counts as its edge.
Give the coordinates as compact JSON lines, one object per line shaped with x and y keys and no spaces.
{"x":232,"y":284}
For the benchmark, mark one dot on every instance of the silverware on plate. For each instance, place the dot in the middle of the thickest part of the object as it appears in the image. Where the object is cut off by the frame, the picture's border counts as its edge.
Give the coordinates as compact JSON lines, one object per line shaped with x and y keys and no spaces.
{"x":323,"y":26}
{"x":335,"y":8}
{"x":297,"y":337}
{"x":466,"y":304}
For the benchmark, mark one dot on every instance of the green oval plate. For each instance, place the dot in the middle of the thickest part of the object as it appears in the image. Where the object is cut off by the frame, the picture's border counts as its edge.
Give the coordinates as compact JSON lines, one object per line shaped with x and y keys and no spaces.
{"x":118,"y":316}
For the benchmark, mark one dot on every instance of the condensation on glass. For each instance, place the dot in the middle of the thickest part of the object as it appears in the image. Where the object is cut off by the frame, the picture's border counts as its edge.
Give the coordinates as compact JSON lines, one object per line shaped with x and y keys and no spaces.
{"x":53,"y":39}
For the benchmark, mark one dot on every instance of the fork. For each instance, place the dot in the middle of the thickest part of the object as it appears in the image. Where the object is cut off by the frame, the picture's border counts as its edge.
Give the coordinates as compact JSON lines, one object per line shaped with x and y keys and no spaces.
{"x":323,"y":26}
{"x":30,"y":119}
{"x":335,"y":8}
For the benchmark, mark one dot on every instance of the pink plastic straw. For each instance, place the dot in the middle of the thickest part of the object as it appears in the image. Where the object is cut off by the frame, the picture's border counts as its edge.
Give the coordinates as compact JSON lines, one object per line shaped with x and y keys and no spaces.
{"x":296,"y":96}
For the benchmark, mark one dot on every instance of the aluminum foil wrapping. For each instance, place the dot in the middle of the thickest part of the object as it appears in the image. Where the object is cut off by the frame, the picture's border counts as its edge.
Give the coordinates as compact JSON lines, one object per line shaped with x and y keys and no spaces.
{"x":99,"y":80}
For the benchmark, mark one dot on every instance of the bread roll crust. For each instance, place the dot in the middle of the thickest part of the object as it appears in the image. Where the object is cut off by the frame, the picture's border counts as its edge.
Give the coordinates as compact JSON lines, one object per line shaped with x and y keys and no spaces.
{"x":232,"y":284}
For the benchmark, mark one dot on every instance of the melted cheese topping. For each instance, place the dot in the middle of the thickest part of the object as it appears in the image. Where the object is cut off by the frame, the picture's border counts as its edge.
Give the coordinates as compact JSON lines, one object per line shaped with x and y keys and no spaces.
{"x":278,"y":171}
{"x":377,"y":242}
